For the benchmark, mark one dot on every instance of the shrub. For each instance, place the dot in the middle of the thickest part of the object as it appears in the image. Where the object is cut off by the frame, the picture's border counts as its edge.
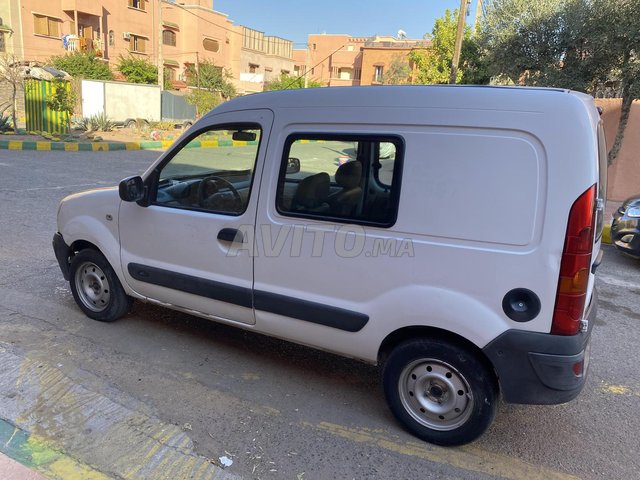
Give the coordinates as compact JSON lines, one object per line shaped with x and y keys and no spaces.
{"x":82,"y":65}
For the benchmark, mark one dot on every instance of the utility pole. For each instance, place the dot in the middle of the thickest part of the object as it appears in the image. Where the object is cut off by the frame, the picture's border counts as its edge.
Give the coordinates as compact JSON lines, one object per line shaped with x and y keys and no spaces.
{"x":462,"y":14}
{"x":476,"y":25}
{"x":160,"y":62}
{"x":306,"y":66}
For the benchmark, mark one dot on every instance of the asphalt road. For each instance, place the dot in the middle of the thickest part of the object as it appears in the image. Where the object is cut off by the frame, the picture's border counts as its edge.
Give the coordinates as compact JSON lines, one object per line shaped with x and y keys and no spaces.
{"x":160,"y":393}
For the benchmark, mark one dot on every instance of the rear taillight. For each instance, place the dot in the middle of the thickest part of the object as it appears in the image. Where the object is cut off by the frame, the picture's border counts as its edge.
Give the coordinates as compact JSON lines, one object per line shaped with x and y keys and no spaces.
{"x":575,"y":266}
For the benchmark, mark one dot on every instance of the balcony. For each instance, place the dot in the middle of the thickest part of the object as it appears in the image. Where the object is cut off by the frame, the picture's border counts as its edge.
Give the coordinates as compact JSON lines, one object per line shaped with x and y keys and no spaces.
{"x":81,"y":44}
{"x":90,"y":7}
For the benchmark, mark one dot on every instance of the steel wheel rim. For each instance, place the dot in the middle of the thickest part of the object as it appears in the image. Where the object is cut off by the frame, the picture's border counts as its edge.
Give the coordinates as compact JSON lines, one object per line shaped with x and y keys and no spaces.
{"x":435,"y":394}
{"x":93,"y":287}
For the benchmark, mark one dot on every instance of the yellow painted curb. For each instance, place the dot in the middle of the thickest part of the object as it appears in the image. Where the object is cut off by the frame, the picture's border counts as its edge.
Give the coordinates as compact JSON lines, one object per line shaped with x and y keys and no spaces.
{"x":209,"y":143}
{"x":132,"y":146}
{"x":71,"y":147}
{"x":15,"y":145}
{"x":100,"y":147}
{"x":43,"y":146}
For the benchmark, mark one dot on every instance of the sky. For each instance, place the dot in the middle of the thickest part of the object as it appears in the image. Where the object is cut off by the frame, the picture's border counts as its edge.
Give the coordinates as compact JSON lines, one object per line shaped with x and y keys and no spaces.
{"x":295,"y":19}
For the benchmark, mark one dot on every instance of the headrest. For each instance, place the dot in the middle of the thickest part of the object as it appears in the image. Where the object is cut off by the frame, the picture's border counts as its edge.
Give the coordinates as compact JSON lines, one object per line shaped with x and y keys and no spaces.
{"x":313,"y":190}
{"x":349,"y":174}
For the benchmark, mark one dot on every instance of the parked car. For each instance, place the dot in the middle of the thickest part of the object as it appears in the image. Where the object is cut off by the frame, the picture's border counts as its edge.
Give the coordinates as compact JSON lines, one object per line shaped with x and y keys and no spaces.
{"x":625,"y":227}
{"x":457,"y":247}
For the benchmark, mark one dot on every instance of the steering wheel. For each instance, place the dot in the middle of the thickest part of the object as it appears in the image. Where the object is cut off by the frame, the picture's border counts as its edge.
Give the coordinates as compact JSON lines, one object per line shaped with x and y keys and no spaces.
{"x":211,"y":194}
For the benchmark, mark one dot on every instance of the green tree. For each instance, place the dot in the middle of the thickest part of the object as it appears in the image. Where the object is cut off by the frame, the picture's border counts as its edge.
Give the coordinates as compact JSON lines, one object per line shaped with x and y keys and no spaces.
{"x":433,"y":64}
{"x":615,"y":50}
{"x":64,"y":99}
{"x":138,"y":70}
{"x":212,"y":78}
{"x":290,"y":82}
{"x":577,"y":44}
{"x":398,"y":72}
{"x":203,"y":100}
{"x":82,"y":65}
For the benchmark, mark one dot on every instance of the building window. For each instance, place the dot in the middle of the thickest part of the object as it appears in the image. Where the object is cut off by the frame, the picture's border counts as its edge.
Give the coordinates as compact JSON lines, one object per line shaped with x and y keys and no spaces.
{"x":139,"y":4}
{"x":345,"y":73}
{"x":48,"y":26}
{"x":378,"y":73}
{"x":112,"y":38}
{"x":253,"y":68}
{"x":211,"y":45}
{"x":169,"y":38}
{"x":284,"y":72}
{"x":138,"y":44}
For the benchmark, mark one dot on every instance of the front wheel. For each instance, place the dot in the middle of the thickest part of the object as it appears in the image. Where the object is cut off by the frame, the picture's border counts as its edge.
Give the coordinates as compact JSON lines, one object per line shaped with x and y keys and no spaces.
{"x":96,"y":288}
{"x":440,"y":392}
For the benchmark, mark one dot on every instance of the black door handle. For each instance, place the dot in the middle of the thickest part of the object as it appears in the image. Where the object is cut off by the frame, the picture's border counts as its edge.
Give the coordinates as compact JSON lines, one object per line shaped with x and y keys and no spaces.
{"x":231,"y":235}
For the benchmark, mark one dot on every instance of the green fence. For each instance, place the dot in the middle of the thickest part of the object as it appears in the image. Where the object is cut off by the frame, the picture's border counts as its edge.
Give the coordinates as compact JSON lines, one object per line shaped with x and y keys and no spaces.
{"x":41,"y":118}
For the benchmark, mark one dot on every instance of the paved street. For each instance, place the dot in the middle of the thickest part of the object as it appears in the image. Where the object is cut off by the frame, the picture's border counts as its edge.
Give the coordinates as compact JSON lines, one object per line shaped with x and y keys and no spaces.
{"x":159,"y":393}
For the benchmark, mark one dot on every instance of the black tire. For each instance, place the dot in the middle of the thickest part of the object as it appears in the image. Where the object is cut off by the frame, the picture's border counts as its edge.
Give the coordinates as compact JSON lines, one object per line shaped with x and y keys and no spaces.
{"x":130,"y":123}
{"x":96,"y":288}
{"x":439,"y":391}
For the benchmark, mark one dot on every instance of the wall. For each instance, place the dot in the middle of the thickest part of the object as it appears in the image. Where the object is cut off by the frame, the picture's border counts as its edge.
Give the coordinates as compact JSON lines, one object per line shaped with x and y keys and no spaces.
{"x":624,"y":174}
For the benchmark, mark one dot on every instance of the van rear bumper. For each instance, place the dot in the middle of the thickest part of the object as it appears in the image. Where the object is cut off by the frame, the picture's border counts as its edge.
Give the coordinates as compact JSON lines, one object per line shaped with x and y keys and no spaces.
{"x":538,"y":368}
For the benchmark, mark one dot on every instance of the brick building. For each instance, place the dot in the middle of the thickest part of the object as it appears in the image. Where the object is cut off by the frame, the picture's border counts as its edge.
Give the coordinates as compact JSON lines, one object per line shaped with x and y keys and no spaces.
{"x":180,"y":32}
{"x":343,"y":60}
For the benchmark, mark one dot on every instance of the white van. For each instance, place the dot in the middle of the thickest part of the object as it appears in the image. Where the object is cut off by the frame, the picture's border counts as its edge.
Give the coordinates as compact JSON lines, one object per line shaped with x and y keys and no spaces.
{"x":450,"y":234}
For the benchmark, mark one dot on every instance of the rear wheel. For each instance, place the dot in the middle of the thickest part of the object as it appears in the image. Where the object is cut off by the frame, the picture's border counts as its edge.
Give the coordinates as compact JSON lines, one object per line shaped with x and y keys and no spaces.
{"x":96,"y":288}
{"x":440,"y":392}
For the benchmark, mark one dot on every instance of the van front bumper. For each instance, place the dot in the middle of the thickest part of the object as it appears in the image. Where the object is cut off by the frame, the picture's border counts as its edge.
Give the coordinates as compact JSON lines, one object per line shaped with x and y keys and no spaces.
{"x":539,"y":368}
{"x":62,"y":251}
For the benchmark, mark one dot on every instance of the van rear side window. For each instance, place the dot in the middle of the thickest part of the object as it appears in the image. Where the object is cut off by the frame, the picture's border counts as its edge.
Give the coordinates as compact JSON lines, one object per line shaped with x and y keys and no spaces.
{"x":343,"y":178}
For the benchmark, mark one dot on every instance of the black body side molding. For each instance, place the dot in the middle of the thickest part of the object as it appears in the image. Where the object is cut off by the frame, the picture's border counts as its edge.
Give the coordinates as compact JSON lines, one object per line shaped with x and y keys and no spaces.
{"x":284,"y":305}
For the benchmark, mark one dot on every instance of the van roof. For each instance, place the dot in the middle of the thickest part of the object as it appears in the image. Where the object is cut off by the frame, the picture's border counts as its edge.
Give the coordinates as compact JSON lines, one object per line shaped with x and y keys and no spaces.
{"x":410,"y":96}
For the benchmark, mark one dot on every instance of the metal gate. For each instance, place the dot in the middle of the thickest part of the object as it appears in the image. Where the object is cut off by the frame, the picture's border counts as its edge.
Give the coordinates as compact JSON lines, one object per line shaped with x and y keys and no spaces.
{"x":41,"y":118}
{"x":175,"y":107}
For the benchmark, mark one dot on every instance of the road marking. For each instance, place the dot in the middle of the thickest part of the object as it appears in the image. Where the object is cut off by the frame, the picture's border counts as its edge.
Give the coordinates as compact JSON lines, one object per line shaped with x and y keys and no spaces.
{"x":59,"y":187}
{"x":619,"y":390}
{"x":468,"y":458}
{"x":617,"y":282}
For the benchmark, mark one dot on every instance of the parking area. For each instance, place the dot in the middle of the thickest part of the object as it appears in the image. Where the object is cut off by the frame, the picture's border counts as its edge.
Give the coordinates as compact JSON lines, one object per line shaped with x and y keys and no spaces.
{"x":161,"y":394}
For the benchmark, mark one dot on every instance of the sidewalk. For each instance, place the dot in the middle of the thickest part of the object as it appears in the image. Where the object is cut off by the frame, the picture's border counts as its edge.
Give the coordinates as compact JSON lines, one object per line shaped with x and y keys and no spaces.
{"x":12,"y":470}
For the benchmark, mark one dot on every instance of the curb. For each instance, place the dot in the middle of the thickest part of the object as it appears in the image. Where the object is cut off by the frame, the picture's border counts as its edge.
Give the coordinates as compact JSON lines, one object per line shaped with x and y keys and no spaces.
{"x":35,"y":454}
{"x":45,"y":146}
{"x":606,"y":234}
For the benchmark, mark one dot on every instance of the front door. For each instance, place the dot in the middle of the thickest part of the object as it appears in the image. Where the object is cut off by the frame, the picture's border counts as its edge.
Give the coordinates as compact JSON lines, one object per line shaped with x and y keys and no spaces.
{"x":203,"y":198}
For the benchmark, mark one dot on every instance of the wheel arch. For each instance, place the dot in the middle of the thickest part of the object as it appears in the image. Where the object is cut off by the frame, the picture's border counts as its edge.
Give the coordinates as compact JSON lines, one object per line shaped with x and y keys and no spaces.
{"x":79,"y":245}
{"x":403,"y":334}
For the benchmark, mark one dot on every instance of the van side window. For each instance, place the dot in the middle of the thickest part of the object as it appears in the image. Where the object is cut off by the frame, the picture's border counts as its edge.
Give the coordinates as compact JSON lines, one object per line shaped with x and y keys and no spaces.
{"x":343,"y":178}
{"x":213,"y":172}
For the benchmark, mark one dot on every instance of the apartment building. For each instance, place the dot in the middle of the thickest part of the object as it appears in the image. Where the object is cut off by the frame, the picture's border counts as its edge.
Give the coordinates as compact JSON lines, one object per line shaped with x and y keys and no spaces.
{"x":262,"y":59}
{"x":333,"y":60}
{"x":343,"y":60}
{"x":379,"y":53}
{"x":180,"y":32}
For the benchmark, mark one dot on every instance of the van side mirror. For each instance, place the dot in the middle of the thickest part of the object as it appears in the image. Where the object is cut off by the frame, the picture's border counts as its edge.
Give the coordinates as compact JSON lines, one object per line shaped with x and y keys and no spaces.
{"x":293,"y":165}
{"x":131,"y":189}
